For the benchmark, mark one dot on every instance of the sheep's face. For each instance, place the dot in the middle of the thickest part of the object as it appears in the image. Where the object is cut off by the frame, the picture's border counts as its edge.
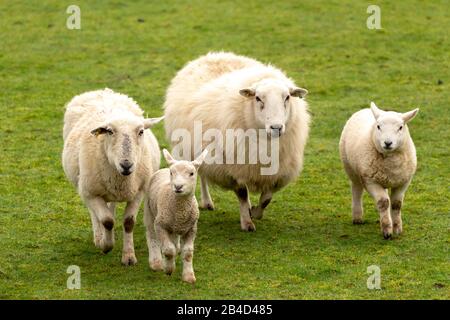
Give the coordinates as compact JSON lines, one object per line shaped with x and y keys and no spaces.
{"x":271,"y":103}
{"x":123,"y":140}
{"x":183,"y":174}
{"x":390,"y":130}
{"x":183,"y":178}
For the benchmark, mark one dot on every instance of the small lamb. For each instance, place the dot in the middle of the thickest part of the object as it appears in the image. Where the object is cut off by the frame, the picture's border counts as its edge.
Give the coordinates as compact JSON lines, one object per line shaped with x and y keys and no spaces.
{"x":170,"y":213}
{"x":378,"y":153}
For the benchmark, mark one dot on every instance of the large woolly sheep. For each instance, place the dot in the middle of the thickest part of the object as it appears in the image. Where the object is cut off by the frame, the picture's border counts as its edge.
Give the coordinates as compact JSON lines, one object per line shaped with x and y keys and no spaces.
{"x":170,"y":213}
{"x":109,"y":157}
{"x":223,"y":91}
{"x":378,"y":153}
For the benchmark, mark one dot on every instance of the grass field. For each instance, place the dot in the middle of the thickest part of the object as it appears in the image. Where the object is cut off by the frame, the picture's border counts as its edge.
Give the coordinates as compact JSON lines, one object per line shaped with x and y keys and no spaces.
{"x":306,"y":246}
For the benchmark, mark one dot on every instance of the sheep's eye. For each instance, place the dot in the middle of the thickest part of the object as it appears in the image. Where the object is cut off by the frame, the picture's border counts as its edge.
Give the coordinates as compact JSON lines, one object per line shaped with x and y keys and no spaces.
{"x":141,"y":132}
{"x":191,"y":174}
{"x":170,"y":173}
{"x":287,"y":99}
{"x":378,"y":127}
{"x":401,"y":127}
{"x":258,"y":99}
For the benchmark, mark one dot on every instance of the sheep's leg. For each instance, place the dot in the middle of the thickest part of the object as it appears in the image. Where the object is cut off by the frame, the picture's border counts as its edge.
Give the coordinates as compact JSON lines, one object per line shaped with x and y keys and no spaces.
{"x":397,"y":195}
{"x":129,"y":220}
{"x":207,"y":202}
{"x":96,"y":228}
{"x":245,"y":208}
{"x":168,"y":249}
{"x":382,"y":201}
{"x":188,"y":255}
{"x":264,"y":200}
{"x":357,"y":208}
{"x":106,"y":221}
{"x":154,"y":249}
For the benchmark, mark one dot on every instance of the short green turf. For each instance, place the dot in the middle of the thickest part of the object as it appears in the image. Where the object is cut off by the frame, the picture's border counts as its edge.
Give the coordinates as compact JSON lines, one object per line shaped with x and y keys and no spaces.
{"x":306,"y":246}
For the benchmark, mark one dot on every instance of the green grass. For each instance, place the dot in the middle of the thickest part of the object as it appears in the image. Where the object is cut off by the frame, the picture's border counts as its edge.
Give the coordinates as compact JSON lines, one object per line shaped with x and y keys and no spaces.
{"x":306,"y":246}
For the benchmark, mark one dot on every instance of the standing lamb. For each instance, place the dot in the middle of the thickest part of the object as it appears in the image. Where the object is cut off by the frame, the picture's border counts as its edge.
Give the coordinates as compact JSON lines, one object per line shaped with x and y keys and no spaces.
{"x":378,"y":153}
{"x":171,"y":212}
{"x":224,"y":91}
{"x":109,"y":157}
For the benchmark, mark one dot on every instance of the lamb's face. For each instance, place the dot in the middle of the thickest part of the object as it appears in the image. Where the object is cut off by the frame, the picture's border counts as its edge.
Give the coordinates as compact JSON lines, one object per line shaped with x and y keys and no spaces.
{"x":183,"y":178}
{"x":122,"y":140}
{"x":390,"y":131}
{"x":271,"y":103}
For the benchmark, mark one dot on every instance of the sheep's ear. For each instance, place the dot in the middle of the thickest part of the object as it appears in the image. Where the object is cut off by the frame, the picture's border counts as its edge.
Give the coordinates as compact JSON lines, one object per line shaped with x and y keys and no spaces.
{"x":169,"y":159}
{"x":298,"y":92}
{"x":248,"y":92}
{"x":199,"y":160}
{"x":101,"y":130}
{"x":150,"y":122}
{"x":375,"y":110}
{"x":408,"y":116}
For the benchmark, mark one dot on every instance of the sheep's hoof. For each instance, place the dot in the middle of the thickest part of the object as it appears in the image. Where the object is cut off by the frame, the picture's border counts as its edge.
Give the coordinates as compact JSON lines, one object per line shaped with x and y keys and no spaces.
{"x":398,"y":229}
{"x":248,"y":226}
{"x":188,"y":277}
{"x":358,"y":221}
{"x":256,"y":212}
{"x":106,"y":247}
{"x":169,"y":271}
{"x":387,"y":235}
{"x":129,"y":259}
{"x":156,"y":265}
{"x":208,"y":206}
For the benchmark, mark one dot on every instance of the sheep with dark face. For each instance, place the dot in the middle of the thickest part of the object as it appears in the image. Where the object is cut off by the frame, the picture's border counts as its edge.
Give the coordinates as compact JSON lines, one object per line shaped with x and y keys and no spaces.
{"x":109,"y":156}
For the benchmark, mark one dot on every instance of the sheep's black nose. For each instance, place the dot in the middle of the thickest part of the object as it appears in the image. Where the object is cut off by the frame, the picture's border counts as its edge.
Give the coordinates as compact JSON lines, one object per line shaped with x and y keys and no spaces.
{"x":178,"y":187}
{"x":276,"y":127}
{"x":388,"y":144}
{"x":126,"y":165}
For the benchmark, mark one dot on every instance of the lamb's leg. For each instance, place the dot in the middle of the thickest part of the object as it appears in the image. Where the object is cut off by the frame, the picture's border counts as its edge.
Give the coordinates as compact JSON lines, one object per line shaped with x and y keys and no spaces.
{"x":154,"y":249}
{"x":264,"y":200}
{"x":382,"y":201}
{"x":129,"y":219}
{"x":206,"y":202}
{"x":397,"y":195}
{"x":188,"y":255}
{"x":106,"y":221}
{"x":168,"y":249}
{"x":357,"y":208}
{"x":245,"y":207}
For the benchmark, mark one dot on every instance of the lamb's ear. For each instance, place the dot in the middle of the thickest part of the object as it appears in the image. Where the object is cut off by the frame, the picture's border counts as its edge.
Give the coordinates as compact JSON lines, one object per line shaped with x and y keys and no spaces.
{"x":247,"y":92}
{"x":375,"y":110}
{"x":150,"y":122}
{"x":169,"y":159}
{"x":408,"y":116}
{"x":298,"y":92}
{"x":101,"y":130}
{"x":199,"y":160}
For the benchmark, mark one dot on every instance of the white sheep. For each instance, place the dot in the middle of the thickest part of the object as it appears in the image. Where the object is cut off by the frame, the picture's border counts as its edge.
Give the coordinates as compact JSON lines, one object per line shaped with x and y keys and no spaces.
{"x":109,"y":157}
{"x":378,"y":153}
{"x":225,"y":91}
{"x":170,"y":213}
